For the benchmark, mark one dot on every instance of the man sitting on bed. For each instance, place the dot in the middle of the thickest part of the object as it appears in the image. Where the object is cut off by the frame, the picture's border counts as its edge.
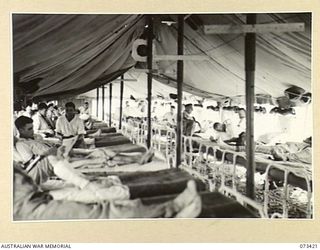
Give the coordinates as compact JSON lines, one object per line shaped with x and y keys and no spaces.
{"x":170,"y":117}
{"x":70,"y":125}
{"x":31,"y":203}
{"x":30,"y":150}
{"x":189,"y":124}
{"x":85,"y":115}
{"x":41,"y":124}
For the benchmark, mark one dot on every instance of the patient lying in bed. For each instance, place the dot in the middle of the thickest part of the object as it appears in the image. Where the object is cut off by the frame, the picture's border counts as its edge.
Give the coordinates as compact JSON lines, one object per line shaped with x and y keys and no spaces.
{"x":108,"y":199}
{"x":299,"y":152}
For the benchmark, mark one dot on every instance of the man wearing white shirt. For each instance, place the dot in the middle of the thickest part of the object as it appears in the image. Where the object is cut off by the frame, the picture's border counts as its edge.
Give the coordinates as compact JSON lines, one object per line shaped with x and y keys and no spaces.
{"x":70,"y":125}
{"x":33,"y":155}
{"x":33,"y":152}
{"x":171,"y":116}
{"x":85,"y":115}
{"x":40,"y":123}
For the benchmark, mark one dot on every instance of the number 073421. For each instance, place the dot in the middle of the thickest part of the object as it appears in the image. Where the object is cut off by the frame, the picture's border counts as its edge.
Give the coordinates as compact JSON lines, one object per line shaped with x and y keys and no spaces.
{"x":310,"y":245}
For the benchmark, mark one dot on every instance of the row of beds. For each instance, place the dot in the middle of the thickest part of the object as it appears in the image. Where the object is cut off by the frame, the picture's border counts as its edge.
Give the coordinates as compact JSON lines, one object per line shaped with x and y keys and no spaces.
{"x":216,"y":169}
{"x":156,"y":182}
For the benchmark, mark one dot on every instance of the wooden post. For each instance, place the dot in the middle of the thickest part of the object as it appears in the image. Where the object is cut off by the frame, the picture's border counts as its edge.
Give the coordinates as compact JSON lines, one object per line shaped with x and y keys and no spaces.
{"x":110,"y":104}
{"x":121,"y":101}
{"x":103,"y":97}
{"x":179,"y":91}
{"x":97,"y":111}
{"x":149,"y":66}
{"x":250,"y":61}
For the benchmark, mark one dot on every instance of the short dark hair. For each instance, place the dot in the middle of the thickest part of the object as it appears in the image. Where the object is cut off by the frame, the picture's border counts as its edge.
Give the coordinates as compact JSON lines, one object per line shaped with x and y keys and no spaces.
{"x":17,"y":106}
{"x":21,"y":121}
{"x":86,"y":103}
{"x":216,"y":124}
{"x":50,"y":105}
{"x":42,"y":106}
{"x":70,"y":105}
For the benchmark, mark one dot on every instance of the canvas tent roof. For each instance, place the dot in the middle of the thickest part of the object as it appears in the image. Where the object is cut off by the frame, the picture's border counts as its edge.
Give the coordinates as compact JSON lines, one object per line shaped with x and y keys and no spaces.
{"x":136,"y":88}
{"x":71,"y":54}
{"x":282,"y":60}
{"x":139,"y":89}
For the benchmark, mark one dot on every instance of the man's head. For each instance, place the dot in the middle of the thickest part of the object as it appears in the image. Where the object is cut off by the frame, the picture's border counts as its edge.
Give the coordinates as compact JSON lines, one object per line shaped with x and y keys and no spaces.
{"x":218,"y":127}
{"x":308,"y":141}
{"x":24,"y":125}
{"x":189,"y":108}
{"x":143,"y":108}
{"x":241,"y":139}
{"x":42,"y":107}
{"x":70,"y":109}
{"x":86,"y":105}
{"x":17,"y":107}
{"x":172,"y":108}
{"x":242,"y":113}
{"x":50,"y":106}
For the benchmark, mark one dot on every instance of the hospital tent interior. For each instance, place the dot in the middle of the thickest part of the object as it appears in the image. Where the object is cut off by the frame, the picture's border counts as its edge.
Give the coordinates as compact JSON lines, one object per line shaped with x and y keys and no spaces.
{"x":131,"y":70}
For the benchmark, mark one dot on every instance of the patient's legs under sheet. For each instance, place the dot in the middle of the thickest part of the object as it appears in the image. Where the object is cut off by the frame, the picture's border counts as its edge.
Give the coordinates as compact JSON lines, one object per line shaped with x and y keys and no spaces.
{"x":41,"y":171}
{"x":185,"y":205}
{"x":94,"y":192}
{"x":32,"y":204}
{"x":304,"y":156}
{"x":101,"y":155}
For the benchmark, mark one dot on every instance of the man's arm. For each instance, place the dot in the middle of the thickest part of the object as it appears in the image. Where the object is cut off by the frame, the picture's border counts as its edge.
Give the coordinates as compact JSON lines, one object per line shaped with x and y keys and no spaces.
{"x":37,"y":121}
{"x":81,"y":130}
{"x":24,"y":151}
{"x":59,"y":133}
{"x":44,"y":208}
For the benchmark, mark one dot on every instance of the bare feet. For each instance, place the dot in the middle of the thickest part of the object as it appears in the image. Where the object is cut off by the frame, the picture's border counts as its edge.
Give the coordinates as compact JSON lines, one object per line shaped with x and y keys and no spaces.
{"x":96,"y":134}
{"x":187,"y":204}
{"x":192,"y":210}
{"x":147,"y":157}
{"x":61,"y":152}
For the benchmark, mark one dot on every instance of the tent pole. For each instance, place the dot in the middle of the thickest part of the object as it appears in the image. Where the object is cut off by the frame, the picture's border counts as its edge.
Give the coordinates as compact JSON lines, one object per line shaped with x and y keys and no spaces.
{"x":121,"y":101}
{"x":103,"y":97}
{"x":149,"y":65}
{"x":110,"y":104}
{"x":250,"y":61}
{"x":97,"y":98}
{"x":179,"y":91}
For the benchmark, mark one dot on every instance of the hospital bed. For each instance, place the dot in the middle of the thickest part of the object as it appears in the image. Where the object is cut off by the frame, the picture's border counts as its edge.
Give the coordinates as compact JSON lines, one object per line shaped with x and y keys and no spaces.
{"x":154,"y":187}
{"x":209,"y":162}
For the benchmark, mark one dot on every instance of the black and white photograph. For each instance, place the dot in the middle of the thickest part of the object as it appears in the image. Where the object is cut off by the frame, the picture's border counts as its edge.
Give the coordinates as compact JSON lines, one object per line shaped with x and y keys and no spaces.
{"x":162,"y":116}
